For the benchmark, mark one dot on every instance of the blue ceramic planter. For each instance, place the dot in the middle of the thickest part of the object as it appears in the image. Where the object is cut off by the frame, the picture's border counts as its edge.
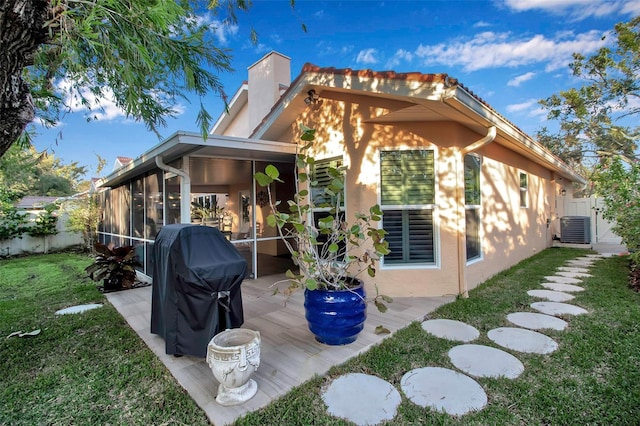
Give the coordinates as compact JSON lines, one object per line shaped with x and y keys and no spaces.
{"x":336,"y":317}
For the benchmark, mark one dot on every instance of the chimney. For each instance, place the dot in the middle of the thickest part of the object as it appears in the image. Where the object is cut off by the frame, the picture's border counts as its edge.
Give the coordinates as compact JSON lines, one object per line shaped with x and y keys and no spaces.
{"x":268,"y":79}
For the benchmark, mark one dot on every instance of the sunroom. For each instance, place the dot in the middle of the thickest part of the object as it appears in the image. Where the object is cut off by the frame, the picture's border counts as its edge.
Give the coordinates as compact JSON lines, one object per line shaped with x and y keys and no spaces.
{"x":187,"y":179}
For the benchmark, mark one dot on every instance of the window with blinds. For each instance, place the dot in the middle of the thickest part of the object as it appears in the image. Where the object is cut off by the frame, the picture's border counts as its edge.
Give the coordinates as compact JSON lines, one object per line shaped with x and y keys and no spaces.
{"x":322,"y":174}
{"x":472,"y":201}
{"x":407,"y":185}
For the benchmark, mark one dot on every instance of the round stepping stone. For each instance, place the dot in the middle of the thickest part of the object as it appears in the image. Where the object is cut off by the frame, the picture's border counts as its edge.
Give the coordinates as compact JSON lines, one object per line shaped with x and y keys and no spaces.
{"x":362,"y":399}
{"x":485,"y":361}
{"x":572,"y":269}
{"x":573,"y":274}
{"x":78,"y":309}
{"x":555,"y":308}
{"x":563,"y":280}
{"x":553,"y":296}
{"x":521,"y":340}
{"x":566,"y":288}
{"x":579,"y":264}
{"x":444,"y":390}
{"x":535,"y":321}
{"x":451,"y":330}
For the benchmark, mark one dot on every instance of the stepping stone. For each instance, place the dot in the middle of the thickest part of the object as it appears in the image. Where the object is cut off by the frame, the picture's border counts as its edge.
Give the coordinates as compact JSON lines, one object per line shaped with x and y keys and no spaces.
{"x":573,"y":274}
{"x":579,"y":263}
{"x":552,"y":296}
{"x":567,"y":288}
{"x":362,"y":399}
{"x":521,"y":340}
{"x":451,"y":330}
{"x":443,"y":390}
{"x":555,"y":308}
{"x":535,"y":321}
{"x":485,"y":361}
{"x":563,"y":280}
{"x":78,"y":309}
{"x":588,"y":258}
{"x":573,"y":269}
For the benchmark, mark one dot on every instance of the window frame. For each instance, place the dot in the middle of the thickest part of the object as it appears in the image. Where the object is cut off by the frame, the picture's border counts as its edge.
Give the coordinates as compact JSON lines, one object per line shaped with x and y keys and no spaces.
{"x":476,"y":209}
{"x":524,"y":190}
{"x":433,"y":207}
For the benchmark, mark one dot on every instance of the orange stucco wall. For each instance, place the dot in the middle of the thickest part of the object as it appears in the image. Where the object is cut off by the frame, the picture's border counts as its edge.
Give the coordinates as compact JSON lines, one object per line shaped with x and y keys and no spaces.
{"x":510,"y":233}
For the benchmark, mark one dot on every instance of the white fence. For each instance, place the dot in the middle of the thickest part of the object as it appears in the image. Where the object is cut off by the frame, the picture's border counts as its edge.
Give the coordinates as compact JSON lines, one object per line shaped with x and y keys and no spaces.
{"x":592,"y":207}
{"x":28,"y":245}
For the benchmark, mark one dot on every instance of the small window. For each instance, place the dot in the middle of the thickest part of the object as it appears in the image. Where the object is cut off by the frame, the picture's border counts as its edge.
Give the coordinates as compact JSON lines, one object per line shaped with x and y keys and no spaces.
{"x":472,"y":199}
{"x":524,"y":188}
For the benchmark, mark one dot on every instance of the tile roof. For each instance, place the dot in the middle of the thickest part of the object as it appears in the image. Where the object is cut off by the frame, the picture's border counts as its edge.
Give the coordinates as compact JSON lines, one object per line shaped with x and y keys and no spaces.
{"x":443,"y":78}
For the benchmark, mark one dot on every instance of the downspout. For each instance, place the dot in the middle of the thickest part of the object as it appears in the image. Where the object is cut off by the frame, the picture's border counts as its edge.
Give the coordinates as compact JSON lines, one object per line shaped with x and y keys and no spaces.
{"x":462,"y":257}
{"x":185,"y":189}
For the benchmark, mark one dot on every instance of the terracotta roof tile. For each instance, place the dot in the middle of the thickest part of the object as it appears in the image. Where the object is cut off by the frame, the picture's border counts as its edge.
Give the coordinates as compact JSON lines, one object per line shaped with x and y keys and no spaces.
{"x":410,"y":76}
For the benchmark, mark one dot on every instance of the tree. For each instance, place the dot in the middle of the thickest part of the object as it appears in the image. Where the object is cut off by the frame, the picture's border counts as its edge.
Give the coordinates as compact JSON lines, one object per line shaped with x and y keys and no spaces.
{"x":595,"y":118}
{"x":593,"y":132}
{"x":618,"y":183}
{"x":144,"y":54}
{"x":24,"y":171}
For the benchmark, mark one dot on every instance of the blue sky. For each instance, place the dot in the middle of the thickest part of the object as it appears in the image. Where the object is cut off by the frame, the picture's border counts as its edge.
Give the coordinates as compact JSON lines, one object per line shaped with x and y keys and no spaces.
{"x":511,"y":53}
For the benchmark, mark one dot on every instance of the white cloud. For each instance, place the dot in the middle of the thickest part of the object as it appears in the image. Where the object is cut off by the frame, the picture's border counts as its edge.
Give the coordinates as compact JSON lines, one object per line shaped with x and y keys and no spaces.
{"x":221,"y":30}
{"x":367,"y":56}
{"x":530,"y":106}
{"x":327,"y":49}
{"x":521,"y":106}
{"x":517,"y":81}
{"x":400,"y":56}
{"x":576,"y":9}
{"x":631,"y":8}
{"x":492,"y":50}
{"x":100,"y":108}
{"x":481,"y":24}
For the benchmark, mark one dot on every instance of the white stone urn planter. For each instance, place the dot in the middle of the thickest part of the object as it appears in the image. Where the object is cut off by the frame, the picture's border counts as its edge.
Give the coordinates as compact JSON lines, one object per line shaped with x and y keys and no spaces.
{"x":233,"y":356}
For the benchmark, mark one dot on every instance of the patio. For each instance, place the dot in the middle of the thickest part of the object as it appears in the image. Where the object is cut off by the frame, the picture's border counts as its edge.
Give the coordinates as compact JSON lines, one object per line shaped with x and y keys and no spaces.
{"x":289,"y":353}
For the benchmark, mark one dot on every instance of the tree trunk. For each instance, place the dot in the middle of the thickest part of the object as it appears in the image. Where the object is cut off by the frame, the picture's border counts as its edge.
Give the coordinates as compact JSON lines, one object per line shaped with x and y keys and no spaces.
{"x":22,"y":31}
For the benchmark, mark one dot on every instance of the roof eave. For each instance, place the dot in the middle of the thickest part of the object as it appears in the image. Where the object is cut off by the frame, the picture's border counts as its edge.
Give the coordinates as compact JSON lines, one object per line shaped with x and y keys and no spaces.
{"x":460,"y":99}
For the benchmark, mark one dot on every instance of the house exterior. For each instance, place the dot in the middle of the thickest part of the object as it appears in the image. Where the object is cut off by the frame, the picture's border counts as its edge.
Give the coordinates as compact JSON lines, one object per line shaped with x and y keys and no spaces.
{"x":465,"y":193}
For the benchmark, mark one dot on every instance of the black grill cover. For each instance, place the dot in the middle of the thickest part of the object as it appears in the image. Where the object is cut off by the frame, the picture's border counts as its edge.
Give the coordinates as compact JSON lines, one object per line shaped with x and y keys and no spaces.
{"x":196,"y":287}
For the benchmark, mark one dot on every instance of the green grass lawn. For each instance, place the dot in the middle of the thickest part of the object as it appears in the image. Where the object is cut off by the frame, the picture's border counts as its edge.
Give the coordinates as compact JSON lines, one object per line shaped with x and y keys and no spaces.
{"x":90,"y":368}
{"x":93,"y":369}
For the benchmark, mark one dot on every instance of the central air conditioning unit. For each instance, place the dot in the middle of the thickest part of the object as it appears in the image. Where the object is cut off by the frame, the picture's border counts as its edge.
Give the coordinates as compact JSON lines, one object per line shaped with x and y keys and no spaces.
{"x":575,"y":229}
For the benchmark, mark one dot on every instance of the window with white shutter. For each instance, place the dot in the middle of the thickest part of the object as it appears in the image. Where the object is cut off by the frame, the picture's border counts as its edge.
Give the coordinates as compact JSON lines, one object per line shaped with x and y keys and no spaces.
{"x":407,"y":185}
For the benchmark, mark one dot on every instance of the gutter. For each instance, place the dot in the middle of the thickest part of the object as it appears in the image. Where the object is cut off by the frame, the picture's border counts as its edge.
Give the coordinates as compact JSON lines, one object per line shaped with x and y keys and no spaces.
{"x":463,"y":289}
{"x":185,"y":188}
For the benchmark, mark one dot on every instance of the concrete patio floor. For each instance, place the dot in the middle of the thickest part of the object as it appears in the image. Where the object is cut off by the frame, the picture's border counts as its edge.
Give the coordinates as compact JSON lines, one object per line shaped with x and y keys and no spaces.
{"x":289,"y":353}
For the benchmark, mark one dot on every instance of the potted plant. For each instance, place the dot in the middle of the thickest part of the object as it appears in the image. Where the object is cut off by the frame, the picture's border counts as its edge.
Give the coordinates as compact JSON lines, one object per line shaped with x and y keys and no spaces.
{"x":331,"y":253}
{"x":115,"y":266}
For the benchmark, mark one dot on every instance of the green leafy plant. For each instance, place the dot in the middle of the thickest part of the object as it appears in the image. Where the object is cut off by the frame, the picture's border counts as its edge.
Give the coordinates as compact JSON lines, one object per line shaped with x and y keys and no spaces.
{"x":115,"y":265}
{"x":84,"y":215}
{"x":329,"y":250}
{"x":45,"y":222}
{"x":12,"y":223}
{"x":618,"y":183}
